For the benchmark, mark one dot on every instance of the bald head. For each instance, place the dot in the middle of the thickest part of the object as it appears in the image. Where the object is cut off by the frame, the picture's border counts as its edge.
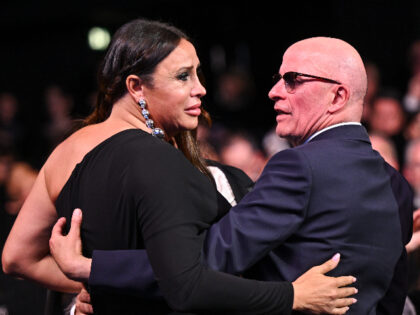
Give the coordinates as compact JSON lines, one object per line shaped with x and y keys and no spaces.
{"x":334,"y":59}
{"x":323,"y":83}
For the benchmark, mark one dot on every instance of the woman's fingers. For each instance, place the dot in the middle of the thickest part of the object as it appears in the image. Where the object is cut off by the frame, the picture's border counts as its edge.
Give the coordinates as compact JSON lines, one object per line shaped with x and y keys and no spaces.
{"x":345,"y":280}
{"x":328,"y":265}
{"x":345,"y":292}
{"x":342,"y":305}
{"x":341,"y":310}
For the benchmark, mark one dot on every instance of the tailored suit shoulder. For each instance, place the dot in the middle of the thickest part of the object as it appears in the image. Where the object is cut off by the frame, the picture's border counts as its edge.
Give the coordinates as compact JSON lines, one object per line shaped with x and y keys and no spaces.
{"x":331,"y":195}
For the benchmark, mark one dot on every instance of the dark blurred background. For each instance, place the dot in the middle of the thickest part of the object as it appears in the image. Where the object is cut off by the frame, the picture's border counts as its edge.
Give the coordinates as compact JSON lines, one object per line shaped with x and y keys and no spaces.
{"x":48,"y":78}
{"x":45,"y":43}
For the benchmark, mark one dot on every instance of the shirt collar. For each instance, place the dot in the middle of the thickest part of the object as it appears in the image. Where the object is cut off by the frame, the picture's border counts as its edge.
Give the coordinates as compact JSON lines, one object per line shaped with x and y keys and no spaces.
{"x":331,"y":127}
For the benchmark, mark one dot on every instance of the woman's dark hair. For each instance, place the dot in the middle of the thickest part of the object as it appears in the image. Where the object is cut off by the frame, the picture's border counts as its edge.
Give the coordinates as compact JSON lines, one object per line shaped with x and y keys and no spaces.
{"x":137,"y":48}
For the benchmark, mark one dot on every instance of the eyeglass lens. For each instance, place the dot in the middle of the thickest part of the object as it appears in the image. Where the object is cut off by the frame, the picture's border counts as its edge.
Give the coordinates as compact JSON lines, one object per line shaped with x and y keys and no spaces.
{"x":289,"y":80}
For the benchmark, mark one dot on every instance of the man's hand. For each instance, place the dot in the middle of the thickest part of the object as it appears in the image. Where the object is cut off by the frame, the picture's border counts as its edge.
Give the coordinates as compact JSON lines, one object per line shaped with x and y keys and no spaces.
{"x":319,"y":294}
{"x":67,"y":250}
{"x":415,"y":239}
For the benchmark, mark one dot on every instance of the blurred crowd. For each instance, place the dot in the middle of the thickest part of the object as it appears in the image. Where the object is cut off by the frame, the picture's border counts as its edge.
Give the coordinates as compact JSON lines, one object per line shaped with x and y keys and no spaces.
{"x":391,"y":116}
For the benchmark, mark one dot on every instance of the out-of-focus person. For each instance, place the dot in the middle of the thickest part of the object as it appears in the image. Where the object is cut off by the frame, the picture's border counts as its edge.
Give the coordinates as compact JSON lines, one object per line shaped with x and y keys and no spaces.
{"x":11,"y":128}
{"x":412,"y":129}
{"x":388,"y":118}
{"x":240,"y":150}
{"x":272,"y":143}
{"x":411,"y":99}
{"x":386,"y":149}
{"x":373,"y":85}
{"x":59,"y":123}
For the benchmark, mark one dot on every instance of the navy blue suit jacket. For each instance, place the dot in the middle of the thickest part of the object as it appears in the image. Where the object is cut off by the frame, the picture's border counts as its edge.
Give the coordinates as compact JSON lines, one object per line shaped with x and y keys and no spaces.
{"x":333,"y":194}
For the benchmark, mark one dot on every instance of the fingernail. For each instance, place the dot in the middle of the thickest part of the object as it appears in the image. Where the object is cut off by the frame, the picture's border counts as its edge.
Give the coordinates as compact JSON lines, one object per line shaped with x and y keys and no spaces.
{"x":354,"y":301}
{"x":77,"y":212}
{"x":336,"y":257}
{"x":354,"y":280}
{"x":355,"y":290}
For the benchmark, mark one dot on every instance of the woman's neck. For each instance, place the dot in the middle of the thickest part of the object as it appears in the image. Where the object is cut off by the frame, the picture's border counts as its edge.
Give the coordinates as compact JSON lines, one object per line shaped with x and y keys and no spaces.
{"x":126,"y":113}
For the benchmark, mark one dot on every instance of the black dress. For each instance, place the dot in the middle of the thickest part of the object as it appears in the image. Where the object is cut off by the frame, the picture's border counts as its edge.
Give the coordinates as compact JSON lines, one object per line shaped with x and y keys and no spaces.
{"x":137,"y":191}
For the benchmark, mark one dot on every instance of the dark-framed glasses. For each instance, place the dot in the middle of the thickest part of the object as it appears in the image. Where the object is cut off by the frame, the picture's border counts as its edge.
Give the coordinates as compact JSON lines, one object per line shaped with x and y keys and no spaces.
{"x":291,"y":76}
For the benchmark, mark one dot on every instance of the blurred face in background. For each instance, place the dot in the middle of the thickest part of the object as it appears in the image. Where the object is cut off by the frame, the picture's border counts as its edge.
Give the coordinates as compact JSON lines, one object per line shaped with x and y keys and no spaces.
{"x":412,"y":167}
{"x":387,"y":116}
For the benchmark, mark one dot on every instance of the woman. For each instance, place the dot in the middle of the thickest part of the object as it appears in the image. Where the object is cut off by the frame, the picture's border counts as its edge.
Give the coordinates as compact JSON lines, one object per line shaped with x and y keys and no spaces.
{"x":140,"y":191}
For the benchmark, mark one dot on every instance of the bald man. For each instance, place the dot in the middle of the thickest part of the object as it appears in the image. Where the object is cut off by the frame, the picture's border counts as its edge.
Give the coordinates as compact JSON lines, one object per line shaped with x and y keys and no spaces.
{"x":329,"y":194}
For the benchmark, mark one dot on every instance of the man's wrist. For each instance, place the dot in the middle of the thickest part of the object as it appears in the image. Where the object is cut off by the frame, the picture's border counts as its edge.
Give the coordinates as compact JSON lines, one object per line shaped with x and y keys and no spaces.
{"x":80,"y":271}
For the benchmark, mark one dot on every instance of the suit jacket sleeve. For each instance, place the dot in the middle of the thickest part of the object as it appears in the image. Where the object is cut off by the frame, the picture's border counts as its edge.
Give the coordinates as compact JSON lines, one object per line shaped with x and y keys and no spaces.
{"x":264,"y":218}
{"x":137,"y":279}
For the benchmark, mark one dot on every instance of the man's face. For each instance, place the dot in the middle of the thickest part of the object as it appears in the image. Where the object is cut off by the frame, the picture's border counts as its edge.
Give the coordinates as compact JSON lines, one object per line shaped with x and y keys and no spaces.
{"x":302,"y":112}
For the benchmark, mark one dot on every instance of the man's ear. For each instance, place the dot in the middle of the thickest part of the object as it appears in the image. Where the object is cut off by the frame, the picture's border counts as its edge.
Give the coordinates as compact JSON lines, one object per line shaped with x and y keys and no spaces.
{"x":341,"y":97}
{"x":135,"y":87}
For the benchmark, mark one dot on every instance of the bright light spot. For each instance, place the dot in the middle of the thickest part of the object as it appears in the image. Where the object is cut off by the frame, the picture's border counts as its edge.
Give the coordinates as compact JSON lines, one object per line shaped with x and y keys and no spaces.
{"x":98,"y":38}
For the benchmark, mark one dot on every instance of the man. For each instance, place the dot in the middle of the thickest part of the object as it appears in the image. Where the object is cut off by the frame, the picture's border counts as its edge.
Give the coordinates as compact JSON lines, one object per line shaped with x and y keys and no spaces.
{"x":330,"y":193}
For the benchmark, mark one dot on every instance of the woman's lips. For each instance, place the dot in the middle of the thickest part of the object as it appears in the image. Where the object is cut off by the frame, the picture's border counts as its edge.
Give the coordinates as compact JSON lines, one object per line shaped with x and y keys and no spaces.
{"x":193,"y":110}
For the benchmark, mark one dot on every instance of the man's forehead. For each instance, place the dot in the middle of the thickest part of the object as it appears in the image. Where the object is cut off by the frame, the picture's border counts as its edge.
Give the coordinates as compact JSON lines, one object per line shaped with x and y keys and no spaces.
{"x":302,"y":60}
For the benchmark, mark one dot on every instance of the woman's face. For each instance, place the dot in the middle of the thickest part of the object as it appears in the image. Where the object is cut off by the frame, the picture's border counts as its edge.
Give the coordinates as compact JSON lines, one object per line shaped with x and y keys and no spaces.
{"x":174,"y":99}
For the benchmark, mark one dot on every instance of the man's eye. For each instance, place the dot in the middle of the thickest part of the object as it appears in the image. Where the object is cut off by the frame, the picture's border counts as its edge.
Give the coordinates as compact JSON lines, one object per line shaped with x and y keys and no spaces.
{"x":183,"y":76}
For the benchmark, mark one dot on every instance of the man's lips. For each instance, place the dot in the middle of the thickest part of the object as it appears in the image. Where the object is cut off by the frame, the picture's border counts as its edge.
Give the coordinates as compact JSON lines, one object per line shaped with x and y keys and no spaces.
{"x":280,"y":111}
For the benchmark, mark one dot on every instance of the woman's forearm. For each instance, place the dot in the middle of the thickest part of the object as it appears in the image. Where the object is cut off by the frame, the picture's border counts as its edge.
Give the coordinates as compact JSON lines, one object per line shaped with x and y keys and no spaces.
{"x":45,"y":271}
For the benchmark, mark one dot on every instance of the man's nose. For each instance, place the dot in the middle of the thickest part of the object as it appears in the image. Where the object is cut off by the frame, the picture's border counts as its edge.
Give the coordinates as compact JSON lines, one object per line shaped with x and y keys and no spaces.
{"x":277,"y":91}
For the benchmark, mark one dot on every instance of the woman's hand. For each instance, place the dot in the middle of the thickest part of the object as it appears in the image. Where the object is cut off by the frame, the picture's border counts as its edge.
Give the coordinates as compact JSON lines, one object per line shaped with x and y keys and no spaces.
{"x":67,"y":250}
{"x":83,"y":304}
{"x":317,"y":293}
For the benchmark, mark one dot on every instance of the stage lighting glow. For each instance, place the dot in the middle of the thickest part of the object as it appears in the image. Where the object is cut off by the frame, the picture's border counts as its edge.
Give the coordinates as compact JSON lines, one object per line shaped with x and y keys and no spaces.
{"x":98,"y":38}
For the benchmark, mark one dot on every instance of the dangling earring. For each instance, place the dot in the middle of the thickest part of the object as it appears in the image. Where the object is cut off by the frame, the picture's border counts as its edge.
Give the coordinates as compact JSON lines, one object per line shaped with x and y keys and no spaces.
{"x":156,"y":132}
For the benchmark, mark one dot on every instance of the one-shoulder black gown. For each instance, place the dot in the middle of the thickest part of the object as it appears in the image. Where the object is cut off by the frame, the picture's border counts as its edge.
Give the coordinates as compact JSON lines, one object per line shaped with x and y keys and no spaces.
{"x":137,"y":191}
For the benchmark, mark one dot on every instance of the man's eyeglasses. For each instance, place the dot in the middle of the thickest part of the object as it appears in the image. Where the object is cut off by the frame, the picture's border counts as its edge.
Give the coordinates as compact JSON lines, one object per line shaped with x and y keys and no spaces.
{"x":290,"y":79}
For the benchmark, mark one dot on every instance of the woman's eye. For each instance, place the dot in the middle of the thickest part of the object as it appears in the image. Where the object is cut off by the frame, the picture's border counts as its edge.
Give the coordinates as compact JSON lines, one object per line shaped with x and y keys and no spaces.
{"x":183,"y":76}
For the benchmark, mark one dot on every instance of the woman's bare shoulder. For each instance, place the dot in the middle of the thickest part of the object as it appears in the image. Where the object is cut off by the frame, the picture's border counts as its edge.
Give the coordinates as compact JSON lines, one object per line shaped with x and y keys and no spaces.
{"x":66,"y":155}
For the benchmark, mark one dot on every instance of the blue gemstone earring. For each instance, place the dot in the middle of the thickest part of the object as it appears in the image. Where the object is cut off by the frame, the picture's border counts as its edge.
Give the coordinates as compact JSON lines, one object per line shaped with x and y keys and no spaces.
{"x":156,"y":132}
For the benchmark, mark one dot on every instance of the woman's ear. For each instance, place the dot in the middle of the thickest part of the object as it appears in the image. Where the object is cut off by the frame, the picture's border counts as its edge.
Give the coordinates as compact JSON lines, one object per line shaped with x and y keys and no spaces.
{"x":134,"y":87}
{"x":341,"y":97}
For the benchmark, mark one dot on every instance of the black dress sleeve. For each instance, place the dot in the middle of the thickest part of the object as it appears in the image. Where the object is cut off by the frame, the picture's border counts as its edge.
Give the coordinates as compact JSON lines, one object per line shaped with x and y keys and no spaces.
{"x":175,"y":205}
